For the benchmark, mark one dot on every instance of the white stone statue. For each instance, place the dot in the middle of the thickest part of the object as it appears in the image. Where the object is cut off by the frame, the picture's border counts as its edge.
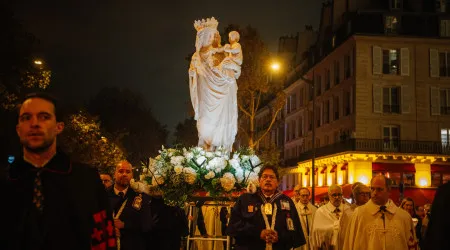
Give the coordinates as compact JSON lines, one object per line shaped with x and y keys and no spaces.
{"x":212,"y":81}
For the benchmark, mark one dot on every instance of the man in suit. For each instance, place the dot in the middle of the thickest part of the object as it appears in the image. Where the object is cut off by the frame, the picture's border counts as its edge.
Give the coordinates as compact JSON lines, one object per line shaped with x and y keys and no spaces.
{"x":131,"y":210}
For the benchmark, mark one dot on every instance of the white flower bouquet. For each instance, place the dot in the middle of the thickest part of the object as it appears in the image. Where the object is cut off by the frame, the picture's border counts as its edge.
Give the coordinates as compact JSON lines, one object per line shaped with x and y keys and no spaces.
{"x":179,"y":174}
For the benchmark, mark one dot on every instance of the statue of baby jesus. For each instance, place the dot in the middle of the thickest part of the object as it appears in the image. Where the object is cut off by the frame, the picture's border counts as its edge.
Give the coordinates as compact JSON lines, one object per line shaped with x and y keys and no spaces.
{"x":231,"y":64}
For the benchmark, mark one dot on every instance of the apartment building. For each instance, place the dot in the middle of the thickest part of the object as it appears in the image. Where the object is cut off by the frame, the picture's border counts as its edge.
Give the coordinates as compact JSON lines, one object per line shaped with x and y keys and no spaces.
{"x":379,"y":75}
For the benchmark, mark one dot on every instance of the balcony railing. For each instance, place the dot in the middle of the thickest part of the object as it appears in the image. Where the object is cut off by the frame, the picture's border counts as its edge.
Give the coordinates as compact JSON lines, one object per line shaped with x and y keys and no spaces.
{"x":376,"y":146}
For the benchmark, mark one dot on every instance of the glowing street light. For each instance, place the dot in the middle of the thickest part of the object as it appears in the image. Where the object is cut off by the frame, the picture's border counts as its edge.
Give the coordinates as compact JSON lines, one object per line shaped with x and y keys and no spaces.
{"x":275,"y":66}
{"x":38,"y":62}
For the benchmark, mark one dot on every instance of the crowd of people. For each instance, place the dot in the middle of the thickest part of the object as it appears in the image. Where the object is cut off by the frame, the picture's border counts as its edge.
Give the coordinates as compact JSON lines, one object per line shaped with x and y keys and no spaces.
{"x":54,"y":203}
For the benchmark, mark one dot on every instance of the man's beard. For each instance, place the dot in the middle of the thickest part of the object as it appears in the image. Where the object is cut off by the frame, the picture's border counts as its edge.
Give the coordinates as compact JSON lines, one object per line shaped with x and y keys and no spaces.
{"x":46,"y":144}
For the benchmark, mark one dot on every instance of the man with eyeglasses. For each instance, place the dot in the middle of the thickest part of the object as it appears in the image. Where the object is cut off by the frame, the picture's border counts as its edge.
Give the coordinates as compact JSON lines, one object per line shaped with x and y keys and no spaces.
{"x":325,"y":228}
{"x":380,"y":224}
{"x":306,"y":211}
{"x":361,"y":195}
{"x":266,"y":218}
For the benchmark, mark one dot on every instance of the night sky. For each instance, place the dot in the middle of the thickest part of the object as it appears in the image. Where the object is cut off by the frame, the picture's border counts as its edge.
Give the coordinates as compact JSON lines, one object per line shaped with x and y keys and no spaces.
{"x":142,"y":45}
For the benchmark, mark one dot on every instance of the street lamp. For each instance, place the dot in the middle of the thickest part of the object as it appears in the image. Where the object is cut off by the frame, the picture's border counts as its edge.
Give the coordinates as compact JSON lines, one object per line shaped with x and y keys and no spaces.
{"x":38,"y":62}
{"x":275,"y":66}
{"x":313,"y":143}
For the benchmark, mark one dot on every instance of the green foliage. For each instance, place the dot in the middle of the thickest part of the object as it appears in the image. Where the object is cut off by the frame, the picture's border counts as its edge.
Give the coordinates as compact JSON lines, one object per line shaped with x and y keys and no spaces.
{"x":85,"y":141}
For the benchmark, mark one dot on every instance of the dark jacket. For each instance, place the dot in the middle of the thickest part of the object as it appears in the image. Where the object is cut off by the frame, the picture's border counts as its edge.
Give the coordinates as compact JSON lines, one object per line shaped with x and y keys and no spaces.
{"x":76,"y":212}
{"x":246,"y":223}
{"x":170,"y":226}
{"x":138,"y":220}
{"x":437,"y":237}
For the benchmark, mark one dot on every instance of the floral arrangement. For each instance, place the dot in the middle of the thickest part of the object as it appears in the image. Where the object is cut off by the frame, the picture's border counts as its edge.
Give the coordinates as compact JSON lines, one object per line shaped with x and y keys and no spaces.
{"x":181,"y":173}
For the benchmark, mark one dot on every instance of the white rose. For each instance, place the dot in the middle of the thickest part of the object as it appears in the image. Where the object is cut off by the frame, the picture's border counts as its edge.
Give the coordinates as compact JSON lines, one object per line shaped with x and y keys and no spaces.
{"x":239,"y":174}
{"x":245,"y":158}
{"x":177,"y":160}
{"x":190,"y":175}
{"x":200,"y":160}
{"x":189,"y":155}
{"x":255,"y":160}
{"x":228,"y":181}
{"x":236,"y":156}
{"x":235,"y":163}
{"x":210,"y":175}
{"x":209,"y":154}
{"x":178,"y":169}
{"x":217,"y":164}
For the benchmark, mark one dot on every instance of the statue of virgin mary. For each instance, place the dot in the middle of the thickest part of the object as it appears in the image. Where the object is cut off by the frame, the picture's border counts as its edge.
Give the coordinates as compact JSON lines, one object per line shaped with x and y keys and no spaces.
{"x":213,"y":90}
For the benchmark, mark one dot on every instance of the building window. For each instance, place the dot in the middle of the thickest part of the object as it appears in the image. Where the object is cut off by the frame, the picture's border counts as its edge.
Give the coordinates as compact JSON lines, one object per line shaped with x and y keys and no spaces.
{"x":302,"y":94}
{"x":310,"y":120}
{"x":391,"y":100}
{"x":319,"y":85}
{"x":327,"y":140}
{"x":409,"y":180}
{"x":445,"y":140}
{"x":293,"y":102}
{"x":327,"y":79}
{"x":333,"y":41}
{"x":444,"y":97}
{"x":391,"y":61}
{"x":300,"y":126}
{"x":311,"y":93}
{"x":441,"y":6}
{"x":336,"y":108}
{"x":317,"y":114}
{"x":347,"y":70}
{"x":391,"y":138}
{"x":396,"y":4}
{"x":445,"y":28}
{"x":337,"y":79}
{"x":444,"y":64}
{"x":346,"y":103}
{"x":391,"y":25}
{"x":326,"y":112}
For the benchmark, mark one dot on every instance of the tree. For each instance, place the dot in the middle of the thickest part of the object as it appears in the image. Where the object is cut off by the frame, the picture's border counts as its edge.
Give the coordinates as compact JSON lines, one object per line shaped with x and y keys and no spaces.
{"x":254,"y":87}
{"x":20,"y":72}
{"x":124,"y":115}
{"x":87,"y":143}
{"x":186,"y":133}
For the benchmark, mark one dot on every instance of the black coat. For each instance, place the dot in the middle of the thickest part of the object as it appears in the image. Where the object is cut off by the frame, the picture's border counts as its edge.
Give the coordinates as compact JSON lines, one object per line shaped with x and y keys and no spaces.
{"x":170,"y":226}
{"x":437,"y":236}
{"x":138,"y":221}
{"x":76,"y":211}
{"x":246,"y":223}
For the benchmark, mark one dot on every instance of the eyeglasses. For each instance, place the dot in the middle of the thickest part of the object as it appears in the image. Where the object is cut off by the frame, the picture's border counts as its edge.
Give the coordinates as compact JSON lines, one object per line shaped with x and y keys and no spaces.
{"x":336,"y":195}
{"x":265,"y":176}
{"x":364,"y":194}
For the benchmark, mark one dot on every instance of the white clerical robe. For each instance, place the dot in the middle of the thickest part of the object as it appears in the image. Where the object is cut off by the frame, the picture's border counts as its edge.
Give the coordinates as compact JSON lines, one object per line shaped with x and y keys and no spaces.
{"x":343,"y":225}
{"x":325,"y":228}
{"x":213,"y":224}
{"x":368,"y":230}
{"x":305,"y":216}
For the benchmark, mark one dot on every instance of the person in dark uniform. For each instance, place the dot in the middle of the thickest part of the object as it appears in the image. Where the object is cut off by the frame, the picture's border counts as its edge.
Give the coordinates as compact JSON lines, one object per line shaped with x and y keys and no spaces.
{"x":51,"y":202}
{"x":131,"y":210}
{"x":252,"y":223}
{"x":170,"y":226}
{"x":437,"y":237}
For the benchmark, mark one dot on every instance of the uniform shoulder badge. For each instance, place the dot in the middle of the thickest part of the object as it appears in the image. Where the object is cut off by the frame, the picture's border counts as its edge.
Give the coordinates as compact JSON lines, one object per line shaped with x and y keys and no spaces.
{"x":137,"y":202}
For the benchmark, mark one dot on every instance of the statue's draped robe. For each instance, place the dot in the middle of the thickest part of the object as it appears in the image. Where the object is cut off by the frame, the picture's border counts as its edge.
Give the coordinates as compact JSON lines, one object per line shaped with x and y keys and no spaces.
{"x":213,"y":96}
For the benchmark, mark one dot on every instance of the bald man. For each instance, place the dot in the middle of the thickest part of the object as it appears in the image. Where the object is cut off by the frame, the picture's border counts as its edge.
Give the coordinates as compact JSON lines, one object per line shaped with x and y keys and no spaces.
{"x":131,"y":210}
